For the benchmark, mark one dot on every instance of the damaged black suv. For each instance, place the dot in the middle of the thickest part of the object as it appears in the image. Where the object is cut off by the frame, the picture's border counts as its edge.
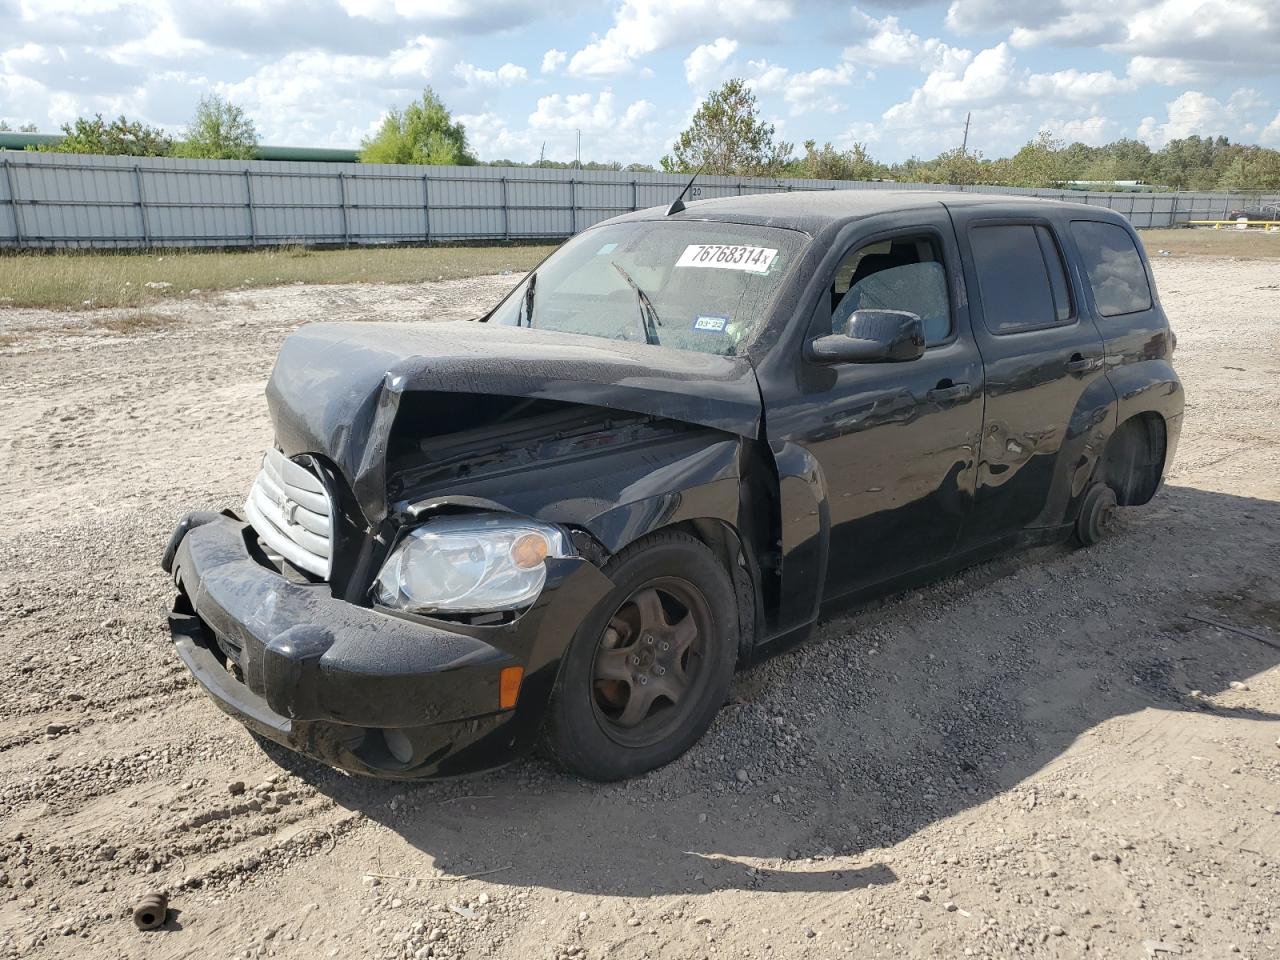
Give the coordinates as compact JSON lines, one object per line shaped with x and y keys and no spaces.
{"x":668,"y":449}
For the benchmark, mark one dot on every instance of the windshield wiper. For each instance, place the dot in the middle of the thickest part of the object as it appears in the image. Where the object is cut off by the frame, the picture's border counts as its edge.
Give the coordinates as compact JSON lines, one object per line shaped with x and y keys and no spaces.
{"x":648,"y":315}
{"x":527,"y":307}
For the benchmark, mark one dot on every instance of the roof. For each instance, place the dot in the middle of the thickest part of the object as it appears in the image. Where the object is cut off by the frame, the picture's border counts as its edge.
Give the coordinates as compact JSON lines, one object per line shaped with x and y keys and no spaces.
{"x":814,"y":210}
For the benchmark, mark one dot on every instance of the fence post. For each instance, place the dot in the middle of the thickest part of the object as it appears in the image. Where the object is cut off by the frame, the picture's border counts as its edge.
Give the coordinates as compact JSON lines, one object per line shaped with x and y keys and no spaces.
{"x":248,"y":193}
{"x":573,"y":206}
{"x":506,"y":215}
{"x":142,"y":206}
{"x":346,"y":225}
{"x":635,"y":197}
{"x":13,"y":202}
{"x":426,"y":207}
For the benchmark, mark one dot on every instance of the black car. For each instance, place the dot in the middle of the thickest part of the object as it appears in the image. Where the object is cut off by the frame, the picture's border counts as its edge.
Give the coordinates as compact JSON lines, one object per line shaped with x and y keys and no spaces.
{"x":669,"y":449}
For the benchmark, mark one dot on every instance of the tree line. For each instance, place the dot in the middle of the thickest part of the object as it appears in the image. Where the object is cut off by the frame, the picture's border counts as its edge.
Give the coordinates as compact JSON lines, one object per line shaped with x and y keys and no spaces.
{"x":727,"y":136}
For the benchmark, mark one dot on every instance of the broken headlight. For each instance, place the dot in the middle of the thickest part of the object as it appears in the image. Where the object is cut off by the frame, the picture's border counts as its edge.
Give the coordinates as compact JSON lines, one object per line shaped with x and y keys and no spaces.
{"x":470,"y":563}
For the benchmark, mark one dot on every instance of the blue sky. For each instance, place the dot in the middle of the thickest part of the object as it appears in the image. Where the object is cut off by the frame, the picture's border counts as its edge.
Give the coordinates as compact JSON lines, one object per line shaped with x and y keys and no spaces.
{"x":898,"y":75}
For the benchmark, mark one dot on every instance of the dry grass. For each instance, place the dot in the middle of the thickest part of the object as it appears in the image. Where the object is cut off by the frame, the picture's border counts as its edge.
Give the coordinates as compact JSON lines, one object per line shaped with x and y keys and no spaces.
{"x":1207,"y":242}
{"x":87,"y":280}
{"x":140,"y":321}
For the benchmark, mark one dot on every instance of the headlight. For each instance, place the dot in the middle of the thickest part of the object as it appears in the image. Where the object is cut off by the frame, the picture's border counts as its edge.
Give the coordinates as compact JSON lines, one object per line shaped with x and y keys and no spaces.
{"x":471,"y":563}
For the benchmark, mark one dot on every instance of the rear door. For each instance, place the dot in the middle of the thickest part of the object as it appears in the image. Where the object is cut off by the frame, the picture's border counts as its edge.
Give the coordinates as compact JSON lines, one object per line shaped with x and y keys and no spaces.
{"x":1043,"y":357}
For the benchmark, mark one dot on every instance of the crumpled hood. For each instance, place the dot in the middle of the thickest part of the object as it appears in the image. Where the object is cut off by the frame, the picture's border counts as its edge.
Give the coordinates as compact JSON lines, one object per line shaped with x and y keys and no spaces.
{"x":336,"y":387}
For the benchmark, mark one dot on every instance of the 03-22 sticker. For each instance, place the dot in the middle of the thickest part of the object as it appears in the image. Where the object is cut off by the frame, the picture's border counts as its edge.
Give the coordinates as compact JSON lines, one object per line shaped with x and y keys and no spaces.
{"x":710,"y":324}
{"x":727,"y":256}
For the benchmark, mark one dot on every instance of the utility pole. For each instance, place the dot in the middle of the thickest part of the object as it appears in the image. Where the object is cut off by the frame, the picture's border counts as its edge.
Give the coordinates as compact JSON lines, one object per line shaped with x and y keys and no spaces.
{"x":964,"y":146}
{"x":578,"y":162}
{"x":542,"y":154}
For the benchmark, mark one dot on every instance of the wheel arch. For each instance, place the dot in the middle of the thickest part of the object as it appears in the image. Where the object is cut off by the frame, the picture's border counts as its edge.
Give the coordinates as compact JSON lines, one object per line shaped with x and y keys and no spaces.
{"x":1133,"y":461}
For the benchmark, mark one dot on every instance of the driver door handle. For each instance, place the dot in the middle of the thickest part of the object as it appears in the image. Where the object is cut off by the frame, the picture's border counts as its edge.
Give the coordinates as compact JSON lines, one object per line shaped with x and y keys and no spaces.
{"x":949,"y":391}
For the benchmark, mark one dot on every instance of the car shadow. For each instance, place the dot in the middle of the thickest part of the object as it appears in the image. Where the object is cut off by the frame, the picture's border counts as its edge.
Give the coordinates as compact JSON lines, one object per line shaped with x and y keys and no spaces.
{"x":892,"y":718}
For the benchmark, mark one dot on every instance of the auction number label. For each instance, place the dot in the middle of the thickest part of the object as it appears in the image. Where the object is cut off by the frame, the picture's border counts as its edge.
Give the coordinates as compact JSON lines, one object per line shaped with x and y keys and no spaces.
{"x":727,"y":256}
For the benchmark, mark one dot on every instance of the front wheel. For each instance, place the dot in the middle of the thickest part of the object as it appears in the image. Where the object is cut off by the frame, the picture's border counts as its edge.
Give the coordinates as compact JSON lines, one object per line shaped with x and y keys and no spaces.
{"x":652,"y":663}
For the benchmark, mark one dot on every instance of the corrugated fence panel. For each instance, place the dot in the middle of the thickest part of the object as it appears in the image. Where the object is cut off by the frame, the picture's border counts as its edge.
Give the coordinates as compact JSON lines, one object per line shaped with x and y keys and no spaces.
{"x":64,"y":200}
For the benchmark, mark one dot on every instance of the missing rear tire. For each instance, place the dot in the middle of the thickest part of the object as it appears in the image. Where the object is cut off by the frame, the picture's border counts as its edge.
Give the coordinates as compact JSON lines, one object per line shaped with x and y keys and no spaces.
{"x":1097,"y":515}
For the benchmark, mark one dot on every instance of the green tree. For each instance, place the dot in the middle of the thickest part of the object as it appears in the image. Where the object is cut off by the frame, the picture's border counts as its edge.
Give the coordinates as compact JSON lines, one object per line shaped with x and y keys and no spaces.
{"x":423,"y":132}
{"x":727,"y":137}
{"x":120,"y":137}
{"x":828,"y":163}
{"x":218,"y":131}
{"x":1039,"y":163}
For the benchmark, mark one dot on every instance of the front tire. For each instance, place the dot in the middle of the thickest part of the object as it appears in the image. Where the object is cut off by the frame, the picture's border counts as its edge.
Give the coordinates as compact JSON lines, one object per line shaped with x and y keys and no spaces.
{"x":651,"y":665}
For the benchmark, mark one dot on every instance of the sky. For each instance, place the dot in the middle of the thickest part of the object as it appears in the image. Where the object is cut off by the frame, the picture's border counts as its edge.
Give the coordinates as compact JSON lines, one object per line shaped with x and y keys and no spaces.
{"x":525,"y":75}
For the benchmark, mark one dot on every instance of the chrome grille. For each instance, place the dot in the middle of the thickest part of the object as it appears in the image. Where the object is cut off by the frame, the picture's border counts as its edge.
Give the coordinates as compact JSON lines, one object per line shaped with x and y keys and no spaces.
{"x":291,"y":511}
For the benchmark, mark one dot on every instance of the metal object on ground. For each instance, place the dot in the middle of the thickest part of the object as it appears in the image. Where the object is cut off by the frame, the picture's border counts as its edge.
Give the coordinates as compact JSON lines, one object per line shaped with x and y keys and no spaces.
{"x":149,"y":913}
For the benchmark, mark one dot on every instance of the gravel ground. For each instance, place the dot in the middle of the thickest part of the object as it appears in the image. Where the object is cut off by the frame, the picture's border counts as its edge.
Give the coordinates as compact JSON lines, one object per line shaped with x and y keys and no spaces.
{"x":1045,"y":756}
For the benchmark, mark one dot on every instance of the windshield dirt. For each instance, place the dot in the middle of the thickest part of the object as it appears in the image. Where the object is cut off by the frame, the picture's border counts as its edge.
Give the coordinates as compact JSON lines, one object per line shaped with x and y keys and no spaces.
{"x":689,"y":285}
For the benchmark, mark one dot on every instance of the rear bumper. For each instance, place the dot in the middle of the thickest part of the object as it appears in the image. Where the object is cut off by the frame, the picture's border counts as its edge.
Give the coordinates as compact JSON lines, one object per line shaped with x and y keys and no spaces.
{"x":363,"y":689}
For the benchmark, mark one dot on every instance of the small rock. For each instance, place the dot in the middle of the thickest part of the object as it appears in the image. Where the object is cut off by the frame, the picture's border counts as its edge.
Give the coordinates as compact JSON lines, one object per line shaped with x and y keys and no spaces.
{"x":633,"y":921}
{"x":1239,"y":685}
{"x":235,"y":788}
{"x":482,"y":899}
{"x":54,"y":729}
{"x":583,"y":917}
{"x":742,"y":775}
{"x":922,"y":894}
{"x":950,"y":907}
{"x":1057,"y":931}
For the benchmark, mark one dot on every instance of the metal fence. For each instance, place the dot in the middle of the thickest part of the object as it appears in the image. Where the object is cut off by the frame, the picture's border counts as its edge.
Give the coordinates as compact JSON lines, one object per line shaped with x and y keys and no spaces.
{"x":66,"y":200}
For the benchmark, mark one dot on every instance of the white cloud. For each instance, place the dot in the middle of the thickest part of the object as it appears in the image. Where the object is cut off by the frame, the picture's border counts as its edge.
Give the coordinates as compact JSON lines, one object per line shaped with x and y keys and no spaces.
{"x":887,"y":43}
{"x":321,"y":98}
{"x":1225,"y":32}
{"x":1094,"y":130}
{"x":706,"y":64}
{"x":644,"y":26}
{"x":505,"y":76}
{"x":1194,"y":112}
{"x":1170,"y":71}
{"x":610,"y":130}
{"x":1075,"y":85}
{"x":553,"y":60}
{"x":1270,"y":134}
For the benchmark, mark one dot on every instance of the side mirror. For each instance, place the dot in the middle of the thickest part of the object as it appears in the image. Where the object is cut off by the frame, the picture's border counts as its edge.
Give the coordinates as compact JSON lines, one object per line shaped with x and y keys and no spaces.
{"x":873,"y":336}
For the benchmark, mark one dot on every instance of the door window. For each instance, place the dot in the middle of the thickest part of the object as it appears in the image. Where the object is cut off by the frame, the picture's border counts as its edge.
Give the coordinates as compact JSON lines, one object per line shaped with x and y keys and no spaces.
{"x":898,"y":274}
{"x":1115,"y":270}
{"x":1021,"y":277}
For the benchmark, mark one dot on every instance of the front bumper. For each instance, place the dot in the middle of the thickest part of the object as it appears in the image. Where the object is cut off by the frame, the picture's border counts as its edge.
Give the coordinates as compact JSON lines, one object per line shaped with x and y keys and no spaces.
{"x":363,"y":689}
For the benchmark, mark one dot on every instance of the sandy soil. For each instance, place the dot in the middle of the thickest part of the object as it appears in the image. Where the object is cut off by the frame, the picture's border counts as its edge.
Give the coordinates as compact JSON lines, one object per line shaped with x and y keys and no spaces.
{"x":1046,"y":756}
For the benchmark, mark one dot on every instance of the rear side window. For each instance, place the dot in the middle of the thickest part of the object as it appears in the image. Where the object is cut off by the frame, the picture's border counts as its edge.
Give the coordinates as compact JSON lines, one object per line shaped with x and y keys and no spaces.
{"x":1021,"y":277}
{"x":1114,"y":267}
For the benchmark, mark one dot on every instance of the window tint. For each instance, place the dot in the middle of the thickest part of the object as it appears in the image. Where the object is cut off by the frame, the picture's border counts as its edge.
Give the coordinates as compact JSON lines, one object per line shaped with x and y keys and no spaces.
{"x":899,"y":274}
{"x":1114,"y":267}
{"x":1020,"y":277}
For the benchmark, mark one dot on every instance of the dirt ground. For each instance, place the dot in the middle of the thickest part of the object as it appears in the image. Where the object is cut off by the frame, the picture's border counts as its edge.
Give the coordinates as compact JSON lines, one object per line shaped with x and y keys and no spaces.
{"x":1047,"y":756}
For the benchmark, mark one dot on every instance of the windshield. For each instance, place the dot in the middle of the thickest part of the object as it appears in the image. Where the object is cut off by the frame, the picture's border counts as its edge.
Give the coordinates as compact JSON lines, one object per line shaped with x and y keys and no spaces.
{"x":701,"y":286}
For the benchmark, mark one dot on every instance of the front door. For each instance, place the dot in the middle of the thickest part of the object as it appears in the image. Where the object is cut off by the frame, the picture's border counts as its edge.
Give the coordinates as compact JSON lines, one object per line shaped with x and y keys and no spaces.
{"x":1045,"y":386}
{"x":894,"y":442}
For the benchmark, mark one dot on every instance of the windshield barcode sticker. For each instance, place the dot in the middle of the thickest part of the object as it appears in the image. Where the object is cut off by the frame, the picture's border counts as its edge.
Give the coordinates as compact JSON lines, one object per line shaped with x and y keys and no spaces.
{"x":727,"y":256}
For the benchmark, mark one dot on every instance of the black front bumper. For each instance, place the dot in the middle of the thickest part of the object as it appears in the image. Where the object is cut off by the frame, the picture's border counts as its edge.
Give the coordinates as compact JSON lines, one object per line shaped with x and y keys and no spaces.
{"x":357,"y":687}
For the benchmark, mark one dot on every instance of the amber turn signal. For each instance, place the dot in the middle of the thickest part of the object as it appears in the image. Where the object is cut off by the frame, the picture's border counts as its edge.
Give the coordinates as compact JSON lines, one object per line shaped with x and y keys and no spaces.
{"x":509,"y":686}
{"x":529,"y":551}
